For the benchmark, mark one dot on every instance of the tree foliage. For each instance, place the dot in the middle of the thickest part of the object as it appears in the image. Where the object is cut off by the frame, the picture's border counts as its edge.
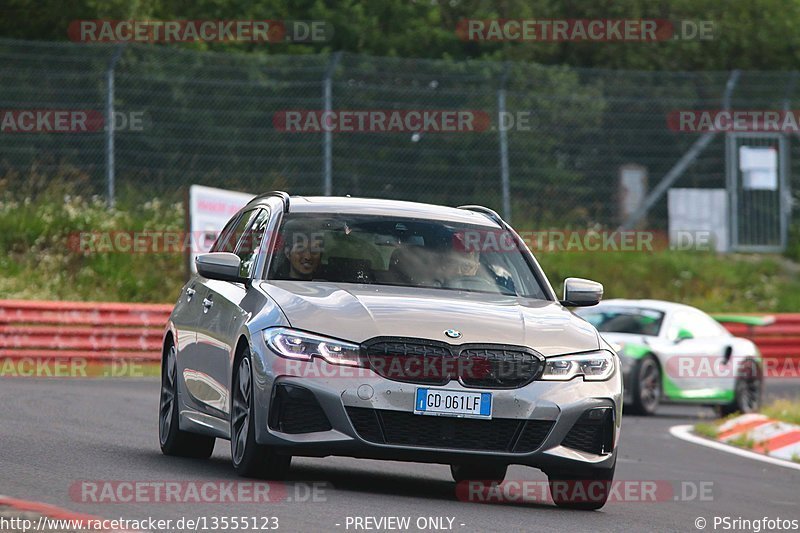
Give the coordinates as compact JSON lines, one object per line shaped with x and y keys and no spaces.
{"x":752,"y":34}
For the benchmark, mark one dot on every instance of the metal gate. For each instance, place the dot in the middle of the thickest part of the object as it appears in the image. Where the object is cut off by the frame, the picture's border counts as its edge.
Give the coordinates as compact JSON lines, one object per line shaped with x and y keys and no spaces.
{"x":757,"y":166}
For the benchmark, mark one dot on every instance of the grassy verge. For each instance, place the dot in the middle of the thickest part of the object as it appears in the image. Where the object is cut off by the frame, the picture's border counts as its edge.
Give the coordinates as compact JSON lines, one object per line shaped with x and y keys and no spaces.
{"x":39,"y":260}
{"x":783,"y":410}
{"x":712,"y":282}
{"x":38,"y":263}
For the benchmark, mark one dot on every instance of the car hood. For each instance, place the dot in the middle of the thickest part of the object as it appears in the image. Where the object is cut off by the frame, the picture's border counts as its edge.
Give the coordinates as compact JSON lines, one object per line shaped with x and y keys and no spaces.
{"x":359,"y":312}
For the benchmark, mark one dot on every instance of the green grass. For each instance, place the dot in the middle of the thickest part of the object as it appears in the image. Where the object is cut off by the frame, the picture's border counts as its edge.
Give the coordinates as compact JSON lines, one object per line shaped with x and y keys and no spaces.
{"x":710,"y":281}
{"x":37,"y":263}
{"x":743,"y":441}
{"x":784,"y":410}
{"x":707,"y":430}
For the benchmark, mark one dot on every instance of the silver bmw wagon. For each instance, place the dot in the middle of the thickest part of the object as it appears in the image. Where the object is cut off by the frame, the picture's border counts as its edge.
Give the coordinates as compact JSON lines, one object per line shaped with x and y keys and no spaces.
{"x":391,"y":330}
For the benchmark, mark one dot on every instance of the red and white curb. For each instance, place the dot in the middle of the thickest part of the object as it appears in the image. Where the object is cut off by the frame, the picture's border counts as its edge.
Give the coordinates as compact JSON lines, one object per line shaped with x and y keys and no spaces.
{"x":770,"y":437}
{"x":686,"y":433}
{"x":50,"y":511}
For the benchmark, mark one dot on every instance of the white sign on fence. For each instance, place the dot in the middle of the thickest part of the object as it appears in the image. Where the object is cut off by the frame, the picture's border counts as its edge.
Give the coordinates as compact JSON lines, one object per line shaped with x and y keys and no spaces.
{"x":209,"y":211}
{"x":698,"y":219}
{"x":759,"y":168}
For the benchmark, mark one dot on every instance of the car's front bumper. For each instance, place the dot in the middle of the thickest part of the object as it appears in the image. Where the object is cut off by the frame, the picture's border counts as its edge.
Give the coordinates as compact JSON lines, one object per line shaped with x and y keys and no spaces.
{"x":340,"y":390}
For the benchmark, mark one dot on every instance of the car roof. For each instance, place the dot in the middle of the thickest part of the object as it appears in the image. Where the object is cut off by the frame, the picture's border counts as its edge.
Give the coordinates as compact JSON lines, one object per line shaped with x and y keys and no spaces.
{"x":396,"y":208}
{"x":656,"y":305}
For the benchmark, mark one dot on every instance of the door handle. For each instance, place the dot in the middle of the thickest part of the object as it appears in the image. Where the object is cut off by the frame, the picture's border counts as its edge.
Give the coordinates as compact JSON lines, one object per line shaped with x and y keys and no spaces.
{"x":207,"y":303}
{"x":189,"y":293}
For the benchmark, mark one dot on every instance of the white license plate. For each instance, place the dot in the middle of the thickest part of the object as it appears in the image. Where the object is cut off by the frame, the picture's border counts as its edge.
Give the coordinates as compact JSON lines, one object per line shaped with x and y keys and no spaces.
{"x":453,"y":403}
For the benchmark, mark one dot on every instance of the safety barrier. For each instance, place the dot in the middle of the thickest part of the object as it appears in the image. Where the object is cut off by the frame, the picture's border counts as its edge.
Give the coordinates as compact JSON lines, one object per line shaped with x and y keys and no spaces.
{"x":779,"y":338}
{"x":92,"y":331}
{"x":106,"y":331}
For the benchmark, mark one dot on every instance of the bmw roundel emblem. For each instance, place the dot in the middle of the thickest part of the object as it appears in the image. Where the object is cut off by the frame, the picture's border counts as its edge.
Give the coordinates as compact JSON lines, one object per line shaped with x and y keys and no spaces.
{"x":453,"y":333}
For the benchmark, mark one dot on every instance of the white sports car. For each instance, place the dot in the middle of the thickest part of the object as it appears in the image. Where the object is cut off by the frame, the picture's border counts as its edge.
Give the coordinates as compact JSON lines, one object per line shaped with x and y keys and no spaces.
{"x":676,"y":353}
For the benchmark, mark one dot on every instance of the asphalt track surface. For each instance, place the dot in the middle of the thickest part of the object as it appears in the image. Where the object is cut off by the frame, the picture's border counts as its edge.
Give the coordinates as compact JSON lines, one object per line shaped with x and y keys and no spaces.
{"x":59,"y":431}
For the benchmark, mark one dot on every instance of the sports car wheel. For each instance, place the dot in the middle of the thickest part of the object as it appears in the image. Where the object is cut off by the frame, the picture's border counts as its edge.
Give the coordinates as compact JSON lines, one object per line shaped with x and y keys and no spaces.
{"x":173,"y":440}
{"x":249,"y":458}
{"x":747,"y":390}
{"x":584,"y":490}
{"x":478,"y":472}
{"x":646,"y":386}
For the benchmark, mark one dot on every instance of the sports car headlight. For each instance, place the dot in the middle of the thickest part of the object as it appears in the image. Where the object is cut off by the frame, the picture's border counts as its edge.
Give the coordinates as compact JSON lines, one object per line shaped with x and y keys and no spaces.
{"x":593,"y":366}
{"x":294,"y":344}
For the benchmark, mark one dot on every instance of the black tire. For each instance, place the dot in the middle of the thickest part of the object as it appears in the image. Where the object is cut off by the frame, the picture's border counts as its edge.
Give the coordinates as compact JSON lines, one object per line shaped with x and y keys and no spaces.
{"x":646,"y":385}
{"x":748,"y":390}
{"x":173,"y":440}
{"x":592,"y":495}
{"x":249,"y":458}
{"x":461,"y":472}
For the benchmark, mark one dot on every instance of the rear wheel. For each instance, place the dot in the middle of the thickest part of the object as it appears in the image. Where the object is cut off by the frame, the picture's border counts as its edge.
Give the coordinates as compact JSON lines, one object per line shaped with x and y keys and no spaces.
{"x":249,"y":458}
{"x":585,"y":490}
{"x":173,"y":440}
{"x":462,"y":472}
{"x":747,"y":390}
{"x":646,"y":386}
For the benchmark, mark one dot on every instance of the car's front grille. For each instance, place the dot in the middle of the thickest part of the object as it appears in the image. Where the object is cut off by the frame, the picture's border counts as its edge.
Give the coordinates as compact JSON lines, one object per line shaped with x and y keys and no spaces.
{"x":498,"y":367}
{"x":592,"y":435}
{"x":296,"y":410}
{"x":417,"y":362}
{"x":436,"y":363}
{"x":407,"y":429}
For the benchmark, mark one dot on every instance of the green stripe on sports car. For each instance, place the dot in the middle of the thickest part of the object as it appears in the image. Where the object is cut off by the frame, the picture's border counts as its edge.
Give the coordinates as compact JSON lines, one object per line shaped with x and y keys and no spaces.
{"x":749,"y":320}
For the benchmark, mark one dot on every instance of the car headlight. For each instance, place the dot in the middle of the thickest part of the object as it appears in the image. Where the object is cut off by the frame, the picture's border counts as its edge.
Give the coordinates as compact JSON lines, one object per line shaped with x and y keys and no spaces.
{"x":303,"y":346}
{"x":593,"y":366}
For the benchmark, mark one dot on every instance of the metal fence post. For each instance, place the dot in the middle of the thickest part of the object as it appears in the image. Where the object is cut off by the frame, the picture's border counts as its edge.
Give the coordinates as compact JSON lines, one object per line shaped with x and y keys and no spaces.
{"x":327,"y":83}
{"x":109,"y":123}
{"x":505,"y":181}
{"x":683,"y":163}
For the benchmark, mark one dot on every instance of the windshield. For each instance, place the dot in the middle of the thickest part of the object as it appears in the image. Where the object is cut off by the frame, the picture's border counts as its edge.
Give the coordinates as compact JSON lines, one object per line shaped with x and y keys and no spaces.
{"x":624,"y":320}
{"x":404,"y":252}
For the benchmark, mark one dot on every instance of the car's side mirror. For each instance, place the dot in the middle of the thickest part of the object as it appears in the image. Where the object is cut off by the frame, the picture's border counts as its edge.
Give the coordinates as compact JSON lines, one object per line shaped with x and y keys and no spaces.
{"x":223,"y":266}
{"x":683,"y":335}
{"x":579,"y":292}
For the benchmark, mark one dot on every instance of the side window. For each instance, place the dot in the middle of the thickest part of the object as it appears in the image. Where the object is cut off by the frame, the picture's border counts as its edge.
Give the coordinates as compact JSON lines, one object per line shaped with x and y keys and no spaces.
{"x":232,"y":233}
{"x":222,"y":236}
{"x":250,"y":242}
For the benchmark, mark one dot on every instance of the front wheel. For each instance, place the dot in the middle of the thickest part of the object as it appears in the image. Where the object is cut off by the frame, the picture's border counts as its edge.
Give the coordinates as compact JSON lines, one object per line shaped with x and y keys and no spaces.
{"x":585,"y":490}
{"x":173,"y":440}
{"x":249,"y":458}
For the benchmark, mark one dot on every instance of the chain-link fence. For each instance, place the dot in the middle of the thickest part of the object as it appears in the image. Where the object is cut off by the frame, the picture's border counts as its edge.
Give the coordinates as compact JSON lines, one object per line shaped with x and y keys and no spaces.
{"x":208,"y":119}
